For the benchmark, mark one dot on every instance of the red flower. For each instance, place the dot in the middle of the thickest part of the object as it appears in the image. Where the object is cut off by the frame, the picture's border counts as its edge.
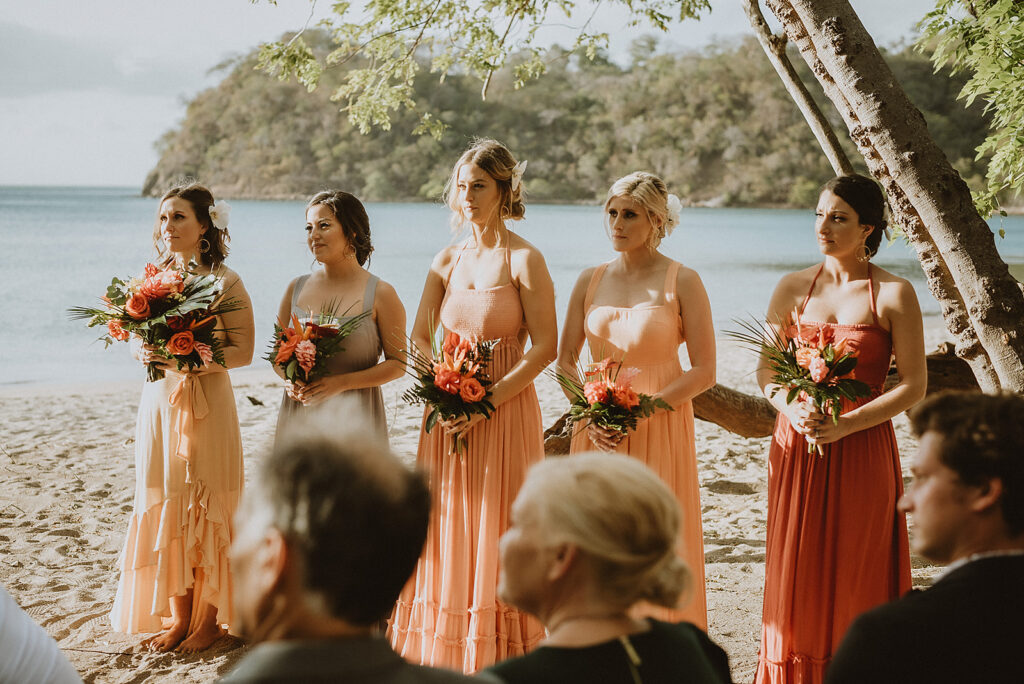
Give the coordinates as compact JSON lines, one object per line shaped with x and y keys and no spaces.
{"x":151,"y":270}
{"x":181,"y":343}
{"x":175,"y":322}
{"x":596,"y":392}
{"x":471,"y":390}
{"x":451,"y":341}
{"x":115,"y":329}
{"x":447,"y":380}
{"x":625,"y":397}
{"x":137,"y":306}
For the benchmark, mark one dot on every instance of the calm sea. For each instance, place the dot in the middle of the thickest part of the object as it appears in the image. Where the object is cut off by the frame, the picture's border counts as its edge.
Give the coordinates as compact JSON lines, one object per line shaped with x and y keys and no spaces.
{"x":59,"y":247}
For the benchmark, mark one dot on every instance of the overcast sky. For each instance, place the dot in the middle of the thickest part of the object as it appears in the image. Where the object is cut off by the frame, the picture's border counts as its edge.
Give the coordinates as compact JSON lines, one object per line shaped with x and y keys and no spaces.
{"x":86,"y":88}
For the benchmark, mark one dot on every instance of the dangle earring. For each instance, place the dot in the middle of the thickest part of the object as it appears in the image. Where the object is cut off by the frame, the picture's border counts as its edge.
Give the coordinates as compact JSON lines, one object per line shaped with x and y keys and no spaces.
{"x":865,"y":254}
{"x":204,"y":245}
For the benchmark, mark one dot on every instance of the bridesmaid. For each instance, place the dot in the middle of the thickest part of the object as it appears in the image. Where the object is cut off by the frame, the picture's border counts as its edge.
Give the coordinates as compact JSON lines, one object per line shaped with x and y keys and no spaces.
{"x":188,"y":456}
{"x":639,"y":308}
{"x":836,"y":546}
{"x":493,"y":286}
{"x":338,"y":235}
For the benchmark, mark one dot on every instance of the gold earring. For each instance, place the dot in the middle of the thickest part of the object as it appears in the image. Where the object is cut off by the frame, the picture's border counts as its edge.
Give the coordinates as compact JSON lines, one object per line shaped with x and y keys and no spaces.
{"x":865,"y":253}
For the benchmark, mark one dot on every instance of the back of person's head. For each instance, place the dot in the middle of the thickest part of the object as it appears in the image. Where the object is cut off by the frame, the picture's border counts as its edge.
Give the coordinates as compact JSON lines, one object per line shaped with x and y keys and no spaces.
{"x":982,"y":438}
{"x":353,"y":516}
{"x":621,"y":516}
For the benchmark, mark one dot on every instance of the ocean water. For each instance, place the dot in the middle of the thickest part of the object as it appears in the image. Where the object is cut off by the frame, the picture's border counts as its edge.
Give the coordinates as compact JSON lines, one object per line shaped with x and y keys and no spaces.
{"x":59,"y":247}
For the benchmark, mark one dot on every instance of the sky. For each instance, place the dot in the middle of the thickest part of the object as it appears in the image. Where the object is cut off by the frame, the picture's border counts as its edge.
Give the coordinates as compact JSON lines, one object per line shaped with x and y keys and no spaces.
{"x":87,"y":88}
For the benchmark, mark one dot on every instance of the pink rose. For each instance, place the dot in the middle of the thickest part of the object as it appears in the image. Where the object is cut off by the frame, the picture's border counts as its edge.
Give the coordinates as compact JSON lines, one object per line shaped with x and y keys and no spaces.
{"x":137,"y":306}
{"x":205,"y":352}
{"x":819,"y":369}
{"x":471,"y":390}
{"x":447,"y":380}
{"x":806,"y":355}
{"x":115,"y":329}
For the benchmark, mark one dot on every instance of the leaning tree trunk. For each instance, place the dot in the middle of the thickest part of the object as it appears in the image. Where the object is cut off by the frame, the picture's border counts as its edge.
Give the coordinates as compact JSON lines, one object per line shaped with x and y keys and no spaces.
{"x":980,"y":300}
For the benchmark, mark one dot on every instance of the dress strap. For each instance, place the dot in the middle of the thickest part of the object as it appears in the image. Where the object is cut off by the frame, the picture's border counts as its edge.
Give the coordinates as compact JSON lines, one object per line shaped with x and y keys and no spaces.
{"x":298,"y":288}
{"x":508,"y":265}
{"x":592,"y":287}
{"x":371,"y":293}
{"x":671,"y":278}
{"x":451,"y":270}
{"x":807,"y":298}
{"x":871,"y":295}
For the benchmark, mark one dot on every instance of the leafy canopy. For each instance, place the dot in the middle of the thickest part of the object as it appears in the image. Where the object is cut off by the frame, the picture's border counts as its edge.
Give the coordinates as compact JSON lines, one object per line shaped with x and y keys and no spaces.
{"x":458,"y":36}
{"x":985,"y":39}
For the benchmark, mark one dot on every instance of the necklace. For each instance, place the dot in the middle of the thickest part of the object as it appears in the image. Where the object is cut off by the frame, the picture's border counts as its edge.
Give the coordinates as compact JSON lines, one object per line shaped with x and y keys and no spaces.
{"x":633,"y":657}
{"x":618,"y":615}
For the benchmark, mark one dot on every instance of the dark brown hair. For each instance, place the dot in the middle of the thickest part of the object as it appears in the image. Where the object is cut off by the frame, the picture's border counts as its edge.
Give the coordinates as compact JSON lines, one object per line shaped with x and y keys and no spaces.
{"x":865,"y":197}
{"x":982,"y":437}
{"x":201,"y":199}
{"x":351,"y":214}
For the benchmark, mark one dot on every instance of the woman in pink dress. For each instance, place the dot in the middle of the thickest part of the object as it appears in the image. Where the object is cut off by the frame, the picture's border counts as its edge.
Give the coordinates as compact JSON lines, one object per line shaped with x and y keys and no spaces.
{"x":836,"y":546}
{"x":639,"y":308}
{"x":188,"y":457}
{"x":494,"y":285}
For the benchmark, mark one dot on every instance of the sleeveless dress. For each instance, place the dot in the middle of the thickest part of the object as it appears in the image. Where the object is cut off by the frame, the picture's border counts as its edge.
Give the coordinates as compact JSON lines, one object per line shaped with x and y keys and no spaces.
{"x":361,"y":350}
{"x":188,"y":480}
{"x":648,"y":338}
{"x":836,"y":545}
{"x":448,"y":615}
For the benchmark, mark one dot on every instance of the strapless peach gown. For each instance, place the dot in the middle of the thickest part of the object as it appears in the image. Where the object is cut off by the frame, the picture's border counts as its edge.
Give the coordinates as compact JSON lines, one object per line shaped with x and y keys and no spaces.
{"x":648,"y":338}
{"x":448,"y":614}
{"x":836,"y":545}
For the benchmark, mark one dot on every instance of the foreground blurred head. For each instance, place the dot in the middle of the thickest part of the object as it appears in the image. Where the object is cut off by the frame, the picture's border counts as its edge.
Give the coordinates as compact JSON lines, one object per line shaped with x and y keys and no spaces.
{"x":326,"y":537}
{"x":600,"y":527}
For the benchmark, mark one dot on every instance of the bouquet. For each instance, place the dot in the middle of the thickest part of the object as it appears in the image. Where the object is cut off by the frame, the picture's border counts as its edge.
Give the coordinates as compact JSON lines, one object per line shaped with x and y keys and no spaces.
{"x":812,"y":365}
{"x":453,"y":382}
{"x":606,"y":397}
{"x":302,"y":350}
{"x":173,"y":309}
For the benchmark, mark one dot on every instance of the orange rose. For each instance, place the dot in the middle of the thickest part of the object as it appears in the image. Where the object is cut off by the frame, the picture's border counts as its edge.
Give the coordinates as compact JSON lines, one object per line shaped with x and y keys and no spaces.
{"x":162,"y":284}
{"x":181,"y":343}
{"x":625,"y":397}
{"x":447,"y":380}
{"x":115,"y":329}
{"x":137,"y":306}
{"x":451,"y":341}
{"x":471,"y":390}
{"x":805,"y":355}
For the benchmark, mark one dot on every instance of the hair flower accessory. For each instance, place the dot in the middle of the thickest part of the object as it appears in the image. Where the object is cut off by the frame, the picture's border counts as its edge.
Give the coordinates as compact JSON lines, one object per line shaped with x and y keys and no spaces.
{"x":674,"y":208}
{"x":517,"y":175}
{"x":219,"y":213}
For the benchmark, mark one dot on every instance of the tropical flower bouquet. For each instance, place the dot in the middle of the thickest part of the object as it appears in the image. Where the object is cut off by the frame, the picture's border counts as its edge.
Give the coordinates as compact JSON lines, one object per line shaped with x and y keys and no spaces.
{"x":606,"y":397}
{"x":812,"y":365}
{"x":302,"y":349}
{"x":453,"y":382}
{"x":173,"y":309}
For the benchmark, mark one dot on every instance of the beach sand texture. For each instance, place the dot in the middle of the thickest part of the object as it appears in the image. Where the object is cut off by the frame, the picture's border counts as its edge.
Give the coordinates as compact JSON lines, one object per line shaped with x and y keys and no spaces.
{"x":67,"y":476}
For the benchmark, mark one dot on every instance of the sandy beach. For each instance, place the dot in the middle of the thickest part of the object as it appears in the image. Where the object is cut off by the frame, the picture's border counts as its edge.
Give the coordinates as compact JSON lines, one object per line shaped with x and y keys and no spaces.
{"x":66,"y":482}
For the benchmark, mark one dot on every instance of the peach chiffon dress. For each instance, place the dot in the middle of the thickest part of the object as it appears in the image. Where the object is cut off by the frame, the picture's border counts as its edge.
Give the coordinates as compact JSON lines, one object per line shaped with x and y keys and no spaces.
{"x":648,"y":338}
{"x":836,"y":545}
{"x":448,"y":615}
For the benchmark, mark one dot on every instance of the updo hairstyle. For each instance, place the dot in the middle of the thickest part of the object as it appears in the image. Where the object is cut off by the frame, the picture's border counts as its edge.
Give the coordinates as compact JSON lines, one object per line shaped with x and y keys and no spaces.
{"x":495,"y":159}
{"x":351,"y":214}
{"x":649,"y":192}
{"x":201,"y":199}
{"x":865,"y":197}
{"x":621,"y":516}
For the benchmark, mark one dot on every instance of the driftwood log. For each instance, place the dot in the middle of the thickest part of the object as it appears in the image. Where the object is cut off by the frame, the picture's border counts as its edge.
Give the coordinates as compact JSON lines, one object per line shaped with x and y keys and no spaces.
{"x":750,"y":415}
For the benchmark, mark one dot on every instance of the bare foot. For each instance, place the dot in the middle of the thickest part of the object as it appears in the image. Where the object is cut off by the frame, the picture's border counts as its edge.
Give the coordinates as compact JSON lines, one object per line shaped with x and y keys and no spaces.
{"x":167,"y":639}
{"x":201,"y":639}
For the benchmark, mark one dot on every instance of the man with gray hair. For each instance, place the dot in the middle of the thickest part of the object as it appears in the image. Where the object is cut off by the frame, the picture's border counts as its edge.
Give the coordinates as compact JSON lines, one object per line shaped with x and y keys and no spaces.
{"x":325,"y":540}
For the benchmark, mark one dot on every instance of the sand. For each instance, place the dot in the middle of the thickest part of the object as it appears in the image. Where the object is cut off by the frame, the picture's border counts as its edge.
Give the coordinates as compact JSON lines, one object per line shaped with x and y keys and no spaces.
{"x":67,"y":477}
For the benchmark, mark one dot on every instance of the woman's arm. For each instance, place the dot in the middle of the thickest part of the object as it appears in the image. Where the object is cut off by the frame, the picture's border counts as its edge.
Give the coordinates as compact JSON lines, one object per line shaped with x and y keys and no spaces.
{"x":897,"y":302}
{"x":700,"y":341}
{"x":573,"y":334}
{"x":390,"y":322}
{"x":239,"y":328}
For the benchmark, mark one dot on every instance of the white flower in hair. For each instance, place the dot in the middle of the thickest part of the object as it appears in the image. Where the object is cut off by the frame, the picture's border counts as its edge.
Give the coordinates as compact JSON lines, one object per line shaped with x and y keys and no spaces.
{"x":219,"y":213}
{"x":517,"y":175}
{"x":674,"y":208}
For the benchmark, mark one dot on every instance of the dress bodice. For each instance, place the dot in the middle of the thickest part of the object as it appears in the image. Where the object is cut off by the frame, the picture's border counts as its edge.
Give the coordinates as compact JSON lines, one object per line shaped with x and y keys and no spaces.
{"x":362,"y":348}
{"x":492,"y":313}
{"x":641,"y":336}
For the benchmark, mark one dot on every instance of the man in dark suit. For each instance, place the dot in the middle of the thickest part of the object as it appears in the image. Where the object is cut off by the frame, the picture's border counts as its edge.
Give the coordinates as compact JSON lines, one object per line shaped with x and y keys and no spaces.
{"x":324,"y":541}
{"x":967,"y":507}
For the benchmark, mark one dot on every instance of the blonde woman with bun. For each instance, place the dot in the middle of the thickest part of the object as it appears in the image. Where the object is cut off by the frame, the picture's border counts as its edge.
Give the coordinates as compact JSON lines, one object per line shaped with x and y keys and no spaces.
{"x":639,"y":308}
{"x":591,"y":535}
{"x":494,"y":285}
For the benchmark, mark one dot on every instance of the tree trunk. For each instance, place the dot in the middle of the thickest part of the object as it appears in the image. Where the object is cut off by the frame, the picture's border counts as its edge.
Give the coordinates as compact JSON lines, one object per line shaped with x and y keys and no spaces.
{"x":948,"y":232}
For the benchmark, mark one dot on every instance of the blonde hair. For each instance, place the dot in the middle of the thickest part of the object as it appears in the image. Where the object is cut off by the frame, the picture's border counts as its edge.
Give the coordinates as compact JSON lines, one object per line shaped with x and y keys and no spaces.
{"x":621,"y":516}
{"x":649,"y":192}
{"x":494,"y":159}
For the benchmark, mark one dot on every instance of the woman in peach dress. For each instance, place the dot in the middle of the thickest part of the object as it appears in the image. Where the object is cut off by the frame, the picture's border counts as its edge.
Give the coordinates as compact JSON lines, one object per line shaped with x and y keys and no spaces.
{"x":639,"y":308}
{"x":175,"y":577}
{"x":836,"y":545}
{"x":493,"y":286}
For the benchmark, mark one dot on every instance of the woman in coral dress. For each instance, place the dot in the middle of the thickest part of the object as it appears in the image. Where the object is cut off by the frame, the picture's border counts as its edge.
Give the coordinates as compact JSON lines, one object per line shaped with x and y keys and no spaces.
{"x":639,"y":308}
{"x":338,"y":234}
{"x":188,"y":457}
{"x":493,"y":286}
{"x":836,"y":545}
